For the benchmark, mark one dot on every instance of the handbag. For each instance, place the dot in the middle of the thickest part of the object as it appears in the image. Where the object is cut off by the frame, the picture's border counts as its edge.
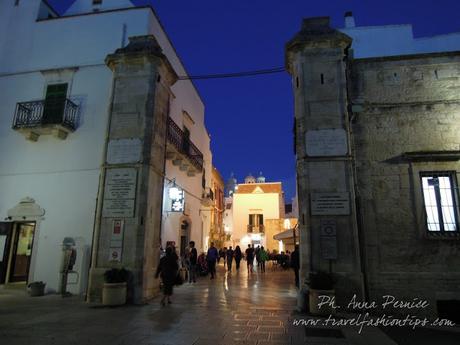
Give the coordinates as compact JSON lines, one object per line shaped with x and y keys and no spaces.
{"x":179,"y":280}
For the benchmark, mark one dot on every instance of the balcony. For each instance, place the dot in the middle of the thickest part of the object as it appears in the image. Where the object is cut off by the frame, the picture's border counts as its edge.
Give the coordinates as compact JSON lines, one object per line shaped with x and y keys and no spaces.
{"x":35,"y":118}
{"x":182,"y":151}
{"x":256,"y":229}
{"x":207,"y":197}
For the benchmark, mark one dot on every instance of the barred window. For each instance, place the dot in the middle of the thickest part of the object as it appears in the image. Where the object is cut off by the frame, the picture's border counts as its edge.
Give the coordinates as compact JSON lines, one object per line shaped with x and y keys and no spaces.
{"x":440,"y":194}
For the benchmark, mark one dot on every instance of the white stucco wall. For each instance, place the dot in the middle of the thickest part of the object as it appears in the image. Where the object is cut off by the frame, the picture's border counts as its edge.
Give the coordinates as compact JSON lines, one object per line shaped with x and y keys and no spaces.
{"x":85,"y":6}
{"x":63,"y":176}
{"x":392,"y":40}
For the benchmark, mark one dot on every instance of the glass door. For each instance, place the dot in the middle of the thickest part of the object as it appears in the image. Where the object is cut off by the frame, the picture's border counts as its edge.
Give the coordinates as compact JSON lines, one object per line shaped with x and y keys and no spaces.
{"x":6,"y":230}
{"x":22,"y":252}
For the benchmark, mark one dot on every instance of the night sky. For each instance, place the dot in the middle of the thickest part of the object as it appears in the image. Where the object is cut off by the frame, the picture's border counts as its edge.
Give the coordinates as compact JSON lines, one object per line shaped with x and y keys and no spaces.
{"x":250,"y":119}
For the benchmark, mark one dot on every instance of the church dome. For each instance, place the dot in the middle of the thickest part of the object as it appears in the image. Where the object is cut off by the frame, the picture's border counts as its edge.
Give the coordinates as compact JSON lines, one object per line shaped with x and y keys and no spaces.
{"x":261,"y":178}
{"x":250,"y":179}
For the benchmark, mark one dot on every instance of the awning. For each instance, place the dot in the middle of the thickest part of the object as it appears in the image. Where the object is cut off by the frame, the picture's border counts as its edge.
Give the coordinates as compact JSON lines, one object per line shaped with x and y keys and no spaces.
{"x":287,"y":235}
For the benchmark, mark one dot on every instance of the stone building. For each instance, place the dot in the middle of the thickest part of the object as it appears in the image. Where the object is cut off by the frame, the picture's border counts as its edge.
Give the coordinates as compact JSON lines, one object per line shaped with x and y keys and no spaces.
{"x":378,"y":151}
{"x":104,"y":145}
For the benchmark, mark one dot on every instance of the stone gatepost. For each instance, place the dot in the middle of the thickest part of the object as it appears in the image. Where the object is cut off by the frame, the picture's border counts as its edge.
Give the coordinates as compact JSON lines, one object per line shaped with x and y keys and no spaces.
{"x":128,"y":218}
{"x":316,"y":58}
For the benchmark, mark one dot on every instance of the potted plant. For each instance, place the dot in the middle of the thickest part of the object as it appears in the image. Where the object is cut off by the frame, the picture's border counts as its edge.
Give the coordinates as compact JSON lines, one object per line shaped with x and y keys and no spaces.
{"x":37,"y":288}
{"x":321,"y":284}
{"x":115,"y":287}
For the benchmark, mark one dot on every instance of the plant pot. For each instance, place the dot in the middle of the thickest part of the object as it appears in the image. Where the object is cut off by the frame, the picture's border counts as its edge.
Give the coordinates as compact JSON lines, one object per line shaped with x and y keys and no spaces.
{"x":314,"y":300}
{"x":37,"y":289}
{"x":114,"y":294}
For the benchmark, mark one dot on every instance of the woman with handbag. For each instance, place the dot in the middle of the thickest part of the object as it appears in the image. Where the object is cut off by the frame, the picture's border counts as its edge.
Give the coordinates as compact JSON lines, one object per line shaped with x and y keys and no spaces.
{"x":168,"y":270}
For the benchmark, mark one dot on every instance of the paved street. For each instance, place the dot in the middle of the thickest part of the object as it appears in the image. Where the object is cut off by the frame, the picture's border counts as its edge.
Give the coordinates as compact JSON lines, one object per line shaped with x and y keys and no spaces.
{"x":233,"y":309}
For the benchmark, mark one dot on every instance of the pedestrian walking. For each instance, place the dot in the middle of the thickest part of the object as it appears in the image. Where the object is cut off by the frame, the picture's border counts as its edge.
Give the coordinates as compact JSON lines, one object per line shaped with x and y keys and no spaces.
{"x":295,"y":264}
{"x":230,"y":254}
{"x":212,"y":257}
{"x":221,"y":255}
{"x":193,"y":258}
{"x":224,"y":255}
{"x":263,"y":256}
{"x":168,"y":270}
{"x":257,"y":251}
{"x":250,"y":258}
{"x":238,"y":255}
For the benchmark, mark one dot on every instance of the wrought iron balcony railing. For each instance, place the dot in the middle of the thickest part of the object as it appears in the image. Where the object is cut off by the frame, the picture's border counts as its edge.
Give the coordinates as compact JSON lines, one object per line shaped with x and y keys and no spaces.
{"x":256,"y":228}
{"x":44,"y":112}
{"x":184,"y":145}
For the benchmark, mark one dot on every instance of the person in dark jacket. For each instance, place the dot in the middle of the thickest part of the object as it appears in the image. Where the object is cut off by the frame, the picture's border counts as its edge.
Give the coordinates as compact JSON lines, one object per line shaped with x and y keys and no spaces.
{"x":238,"y":255}
{"x":295,"y":264}
{"x":193,"y":258}
{"x":229,"y":258}
{"x":167,"y":269}
{"x":250,"y":258}
{"x":211,"y":258}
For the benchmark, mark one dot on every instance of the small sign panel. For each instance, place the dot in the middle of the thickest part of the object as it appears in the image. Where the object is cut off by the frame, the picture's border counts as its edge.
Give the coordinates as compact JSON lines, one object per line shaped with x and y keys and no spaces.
{"x":115,"y":254}
{"x":337,"y":204}
{"x":326,"y":142}
{"x":328,"y":239}
{"x":122,"y":151}
{"x":116,"y":240}
{"x":177,"y":199}
{"x":328,"y":247}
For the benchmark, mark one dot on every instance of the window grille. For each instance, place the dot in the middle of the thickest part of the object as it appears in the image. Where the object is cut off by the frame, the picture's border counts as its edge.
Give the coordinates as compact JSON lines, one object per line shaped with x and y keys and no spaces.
{"x":440,"y":194}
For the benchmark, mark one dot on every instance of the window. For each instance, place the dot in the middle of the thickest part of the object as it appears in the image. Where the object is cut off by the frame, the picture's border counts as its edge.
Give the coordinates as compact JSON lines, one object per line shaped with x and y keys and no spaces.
{"x":439,"y":196}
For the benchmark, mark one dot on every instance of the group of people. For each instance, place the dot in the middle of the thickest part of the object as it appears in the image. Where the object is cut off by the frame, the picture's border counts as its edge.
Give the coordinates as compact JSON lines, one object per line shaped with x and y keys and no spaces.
{"x":168,"y":267}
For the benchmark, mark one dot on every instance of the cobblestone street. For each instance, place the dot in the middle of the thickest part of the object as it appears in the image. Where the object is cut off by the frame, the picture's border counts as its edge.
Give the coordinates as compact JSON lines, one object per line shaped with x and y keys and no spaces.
{"x":232,"y":309}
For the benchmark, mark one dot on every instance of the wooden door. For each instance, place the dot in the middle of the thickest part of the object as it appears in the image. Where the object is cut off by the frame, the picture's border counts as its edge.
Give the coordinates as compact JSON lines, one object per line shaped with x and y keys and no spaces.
{"x":53,"y":112}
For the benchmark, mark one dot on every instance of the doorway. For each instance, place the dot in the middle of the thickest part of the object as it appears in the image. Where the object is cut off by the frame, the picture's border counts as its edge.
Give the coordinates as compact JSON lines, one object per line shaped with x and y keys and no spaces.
{"x":16,"y":244}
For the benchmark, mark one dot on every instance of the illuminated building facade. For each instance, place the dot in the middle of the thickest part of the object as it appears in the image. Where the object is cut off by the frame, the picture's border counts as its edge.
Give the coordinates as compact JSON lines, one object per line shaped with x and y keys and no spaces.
{"x":377,"y":123}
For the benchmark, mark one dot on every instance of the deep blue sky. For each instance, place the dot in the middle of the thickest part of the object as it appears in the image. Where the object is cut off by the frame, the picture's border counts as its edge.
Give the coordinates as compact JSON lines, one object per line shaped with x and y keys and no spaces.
{"x":250,"y":119}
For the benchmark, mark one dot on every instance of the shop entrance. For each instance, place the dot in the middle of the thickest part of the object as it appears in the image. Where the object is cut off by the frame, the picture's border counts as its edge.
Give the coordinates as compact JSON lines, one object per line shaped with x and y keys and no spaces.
{"x":16,"y":241}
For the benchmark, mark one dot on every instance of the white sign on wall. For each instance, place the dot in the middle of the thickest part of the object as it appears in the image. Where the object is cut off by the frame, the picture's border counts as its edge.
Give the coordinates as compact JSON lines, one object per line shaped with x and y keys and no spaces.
{"x":120,"y":193}
{"x":115,"y":254}
{"x":177,"y":197}
{"x":337,"y":204}
{"x":122,"y":151}
{"x":326,"y":142}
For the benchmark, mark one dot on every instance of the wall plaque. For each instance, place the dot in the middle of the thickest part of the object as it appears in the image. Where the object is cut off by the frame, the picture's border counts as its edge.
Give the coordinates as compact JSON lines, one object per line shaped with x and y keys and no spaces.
{"x":120,"y":193}
{"x":121,"y":151}
{"x":337,"y":204}
{"x":326,"y":142}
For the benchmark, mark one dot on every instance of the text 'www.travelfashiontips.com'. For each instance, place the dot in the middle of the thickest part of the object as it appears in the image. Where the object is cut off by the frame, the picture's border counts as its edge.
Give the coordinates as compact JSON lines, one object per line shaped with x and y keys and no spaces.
{"x":365,"y":319}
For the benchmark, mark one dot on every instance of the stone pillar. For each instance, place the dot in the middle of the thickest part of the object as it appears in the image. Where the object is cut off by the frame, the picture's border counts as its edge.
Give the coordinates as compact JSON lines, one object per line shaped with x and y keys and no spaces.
{"x":128,"y":218}
{"x":316,"y":58}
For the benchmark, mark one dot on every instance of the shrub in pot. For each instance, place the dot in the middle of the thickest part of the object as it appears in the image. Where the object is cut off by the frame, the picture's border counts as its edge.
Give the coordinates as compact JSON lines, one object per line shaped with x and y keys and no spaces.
{"x":115,"y":287}
{"x":37,"y":288}
{"x":321,"y":284}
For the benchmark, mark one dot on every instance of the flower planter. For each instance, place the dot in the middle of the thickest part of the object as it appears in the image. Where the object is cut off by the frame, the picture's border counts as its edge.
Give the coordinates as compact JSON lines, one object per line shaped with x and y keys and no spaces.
{"x":37,"y":289}
{"x":114,"y":294}
{"x":314,"y":300}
